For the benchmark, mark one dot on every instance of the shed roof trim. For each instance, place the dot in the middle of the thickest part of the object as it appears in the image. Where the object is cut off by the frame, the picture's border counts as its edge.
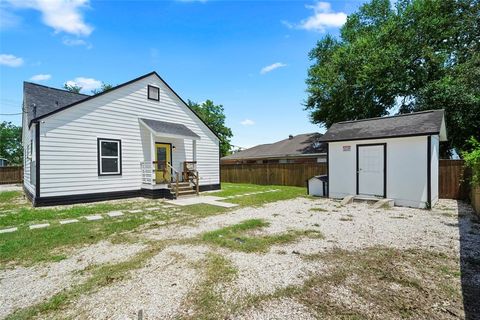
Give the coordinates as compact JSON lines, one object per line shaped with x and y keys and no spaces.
{"x":412,"y":124}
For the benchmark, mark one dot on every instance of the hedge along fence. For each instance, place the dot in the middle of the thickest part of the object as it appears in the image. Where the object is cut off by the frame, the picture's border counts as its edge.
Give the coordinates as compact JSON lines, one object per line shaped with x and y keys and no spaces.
{"x":12,"y":174}
{"x":284,"y":174}
{"x":452,"y":180}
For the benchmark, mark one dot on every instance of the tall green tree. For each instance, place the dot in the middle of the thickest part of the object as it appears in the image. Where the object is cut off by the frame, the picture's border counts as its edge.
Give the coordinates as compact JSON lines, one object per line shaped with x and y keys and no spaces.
{"x":11,"y":143}
{"x":103,"y":87}
{"x":72,"y":87}
{"x":416,"y":55}
{"x":214,"y":116}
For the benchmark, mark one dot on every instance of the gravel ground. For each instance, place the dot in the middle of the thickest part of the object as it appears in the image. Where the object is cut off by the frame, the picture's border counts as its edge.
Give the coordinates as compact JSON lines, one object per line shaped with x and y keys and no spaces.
{"x":350,"y":227}
{"x":266,"y":273}
{"x":159,"y":289}
{"x":276,"y":310}
{"x":21,"y":287}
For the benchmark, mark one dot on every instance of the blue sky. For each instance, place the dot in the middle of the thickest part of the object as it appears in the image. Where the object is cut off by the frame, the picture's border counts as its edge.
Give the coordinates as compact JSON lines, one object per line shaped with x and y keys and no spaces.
{"x":249,"y":56}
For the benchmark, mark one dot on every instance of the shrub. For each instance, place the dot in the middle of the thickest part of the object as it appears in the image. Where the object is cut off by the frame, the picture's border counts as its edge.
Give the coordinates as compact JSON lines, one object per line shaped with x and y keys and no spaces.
{"x":472,"y":159}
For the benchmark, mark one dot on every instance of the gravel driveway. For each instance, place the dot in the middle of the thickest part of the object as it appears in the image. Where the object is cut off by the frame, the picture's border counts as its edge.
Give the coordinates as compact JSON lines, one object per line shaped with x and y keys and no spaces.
{"x":163,"y":287}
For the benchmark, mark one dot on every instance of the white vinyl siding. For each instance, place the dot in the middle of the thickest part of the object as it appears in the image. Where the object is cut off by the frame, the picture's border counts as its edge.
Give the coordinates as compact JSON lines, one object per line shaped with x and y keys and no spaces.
{"x":28,"y":156}
{"x":69,"y":140}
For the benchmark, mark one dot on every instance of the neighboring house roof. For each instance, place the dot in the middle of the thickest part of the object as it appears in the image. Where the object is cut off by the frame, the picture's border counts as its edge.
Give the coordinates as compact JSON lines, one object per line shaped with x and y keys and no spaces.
{"x":412,"y":124}
{"x":46,"y":99}
{"x":170,"y":129}
{"x":40,"y":100}
{"x":299,"y":145}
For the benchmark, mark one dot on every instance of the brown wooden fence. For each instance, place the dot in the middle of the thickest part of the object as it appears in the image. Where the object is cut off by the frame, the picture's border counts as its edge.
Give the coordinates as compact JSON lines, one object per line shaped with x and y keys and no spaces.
{"x":452,"y":181}
{"x":11,"y":174}
{"x":288,"y":174}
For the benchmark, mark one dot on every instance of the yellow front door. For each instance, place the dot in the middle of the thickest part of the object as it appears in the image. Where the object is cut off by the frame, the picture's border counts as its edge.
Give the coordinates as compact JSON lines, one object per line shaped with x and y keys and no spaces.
{"x":162,"y":159}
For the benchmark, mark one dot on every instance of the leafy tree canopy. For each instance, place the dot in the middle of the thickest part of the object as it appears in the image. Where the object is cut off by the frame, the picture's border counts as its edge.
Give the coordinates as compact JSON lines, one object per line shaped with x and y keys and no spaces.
{"x":104,"y":87}
{"x":413,"y":56}
{"x":11,"y":143}
{"x":72,"y":87}
{"x":214,"y":116}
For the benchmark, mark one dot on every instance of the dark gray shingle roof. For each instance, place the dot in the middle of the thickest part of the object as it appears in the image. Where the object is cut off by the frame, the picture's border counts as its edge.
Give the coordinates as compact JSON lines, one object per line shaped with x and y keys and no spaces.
{"x":39,"y":100}
{"x":412,"y":124}
{"x":299,"y":145}
{"x":170,"y":128}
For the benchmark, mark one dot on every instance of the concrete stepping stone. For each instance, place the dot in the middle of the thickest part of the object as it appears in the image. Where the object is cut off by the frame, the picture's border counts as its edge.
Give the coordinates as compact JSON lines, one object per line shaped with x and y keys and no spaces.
{"x":168,"y":206}
{"x":39,"y":226}
{"x":67,"y":221}
{"x":222,"y":204}
{"x":94,"y":217}
{"x":153,"y":209}
{"x":135,"y":211}
{"x":114,"y":214}
{"x":8,"y":230}
{"x":347,"y":200}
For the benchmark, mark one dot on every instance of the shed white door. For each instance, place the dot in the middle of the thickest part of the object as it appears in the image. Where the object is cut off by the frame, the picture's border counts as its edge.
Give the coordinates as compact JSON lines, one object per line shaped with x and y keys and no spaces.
{"x":370,"y":171}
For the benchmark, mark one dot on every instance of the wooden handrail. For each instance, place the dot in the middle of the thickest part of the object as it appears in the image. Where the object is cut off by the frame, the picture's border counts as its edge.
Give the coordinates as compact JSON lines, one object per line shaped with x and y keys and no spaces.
{"x":177,"y":178}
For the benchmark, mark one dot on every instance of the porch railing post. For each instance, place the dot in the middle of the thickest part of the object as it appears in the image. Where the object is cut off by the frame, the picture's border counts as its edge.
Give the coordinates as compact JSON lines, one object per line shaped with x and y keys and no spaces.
{"x":196,"y":183}
{"x":176,"y":189}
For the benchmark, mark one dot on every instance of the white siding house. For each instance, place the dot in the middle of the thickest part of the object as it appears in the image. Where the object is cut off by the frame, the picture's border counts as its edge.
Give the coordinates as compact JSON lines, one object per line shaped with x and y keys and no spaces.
{"x":391,"y":157}
{"x":129,"y":141}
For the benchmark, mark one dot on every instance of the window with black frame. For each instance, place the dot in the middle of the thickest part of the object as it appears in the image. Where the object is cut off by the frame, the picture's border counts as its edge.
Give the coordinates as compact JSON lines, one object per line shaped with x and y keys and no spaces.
{"x":153,"y":93}
{"x":109,"y":157}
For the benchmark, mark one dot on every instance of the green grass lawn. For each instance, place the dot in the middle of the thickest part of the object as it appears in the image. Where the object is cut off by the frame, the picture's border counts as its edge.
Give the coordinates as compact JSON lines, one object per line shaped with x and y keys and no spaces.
{"x":283,"y":193}
{"x":29,"y":246}
{"x":236,"y":237}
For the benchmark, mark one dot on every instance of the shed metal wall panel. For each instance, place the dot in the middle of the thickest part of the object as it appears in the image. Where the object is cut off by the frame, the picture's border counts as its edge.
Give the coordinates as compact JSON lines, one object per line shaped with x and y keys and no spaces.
{"x":406,"y":169}
{"x":69,"y":140}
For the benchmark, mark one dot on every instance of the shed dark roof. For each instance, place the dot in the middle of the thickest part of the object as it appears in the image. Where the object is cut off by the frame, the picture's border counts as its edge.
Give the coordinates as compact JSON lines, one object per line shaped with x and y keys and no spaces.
{"x":170,"y":128}
{"x":411,"y":124}
{"x":299,"y":145}
{"x":40,"y":100}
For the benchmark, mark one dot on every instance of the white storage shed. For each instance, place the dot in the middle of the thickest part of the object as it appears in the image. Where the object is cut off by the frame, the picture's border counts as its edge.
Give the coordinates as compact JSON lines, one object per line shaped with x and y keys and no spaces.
{"x":389,"y":157}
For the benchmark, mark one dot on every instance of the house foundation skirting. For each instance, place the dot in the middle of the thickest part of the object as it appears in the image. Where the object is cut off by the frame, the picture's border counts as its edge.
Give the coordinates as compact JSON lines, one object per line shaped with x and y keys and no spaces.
{"x":103,"y":196}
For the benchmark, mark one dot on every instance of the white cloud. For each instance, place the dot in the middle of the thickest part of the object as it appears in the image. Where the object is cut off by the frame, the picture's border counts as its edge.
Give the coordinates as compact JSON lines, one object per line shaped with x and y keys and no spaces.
{"x":247,"y":122}
{"x":41,"y":77}
{"x":87,"y":84}
{"x":323,"y":17}
{"x":8,"y":19}
{"x":272,"y":67}
{"x":10,"y":60}
{"x":61,"y":15}
{"x":76,"y":42}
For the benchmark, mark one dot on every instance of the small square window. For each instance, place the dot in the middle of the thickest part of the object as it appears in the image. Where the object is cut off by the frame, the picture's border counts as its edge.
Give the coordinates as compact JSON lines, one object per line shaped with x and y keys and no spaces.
{"x":153,"y":93}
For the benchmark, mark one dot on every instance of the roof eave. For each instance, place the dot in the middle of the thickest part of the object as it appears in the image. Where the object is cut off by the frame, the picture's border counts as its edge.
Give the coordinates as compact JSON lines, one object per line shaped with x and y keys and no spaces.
{"x":278,"y":156}
{"x":383,"y":137}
